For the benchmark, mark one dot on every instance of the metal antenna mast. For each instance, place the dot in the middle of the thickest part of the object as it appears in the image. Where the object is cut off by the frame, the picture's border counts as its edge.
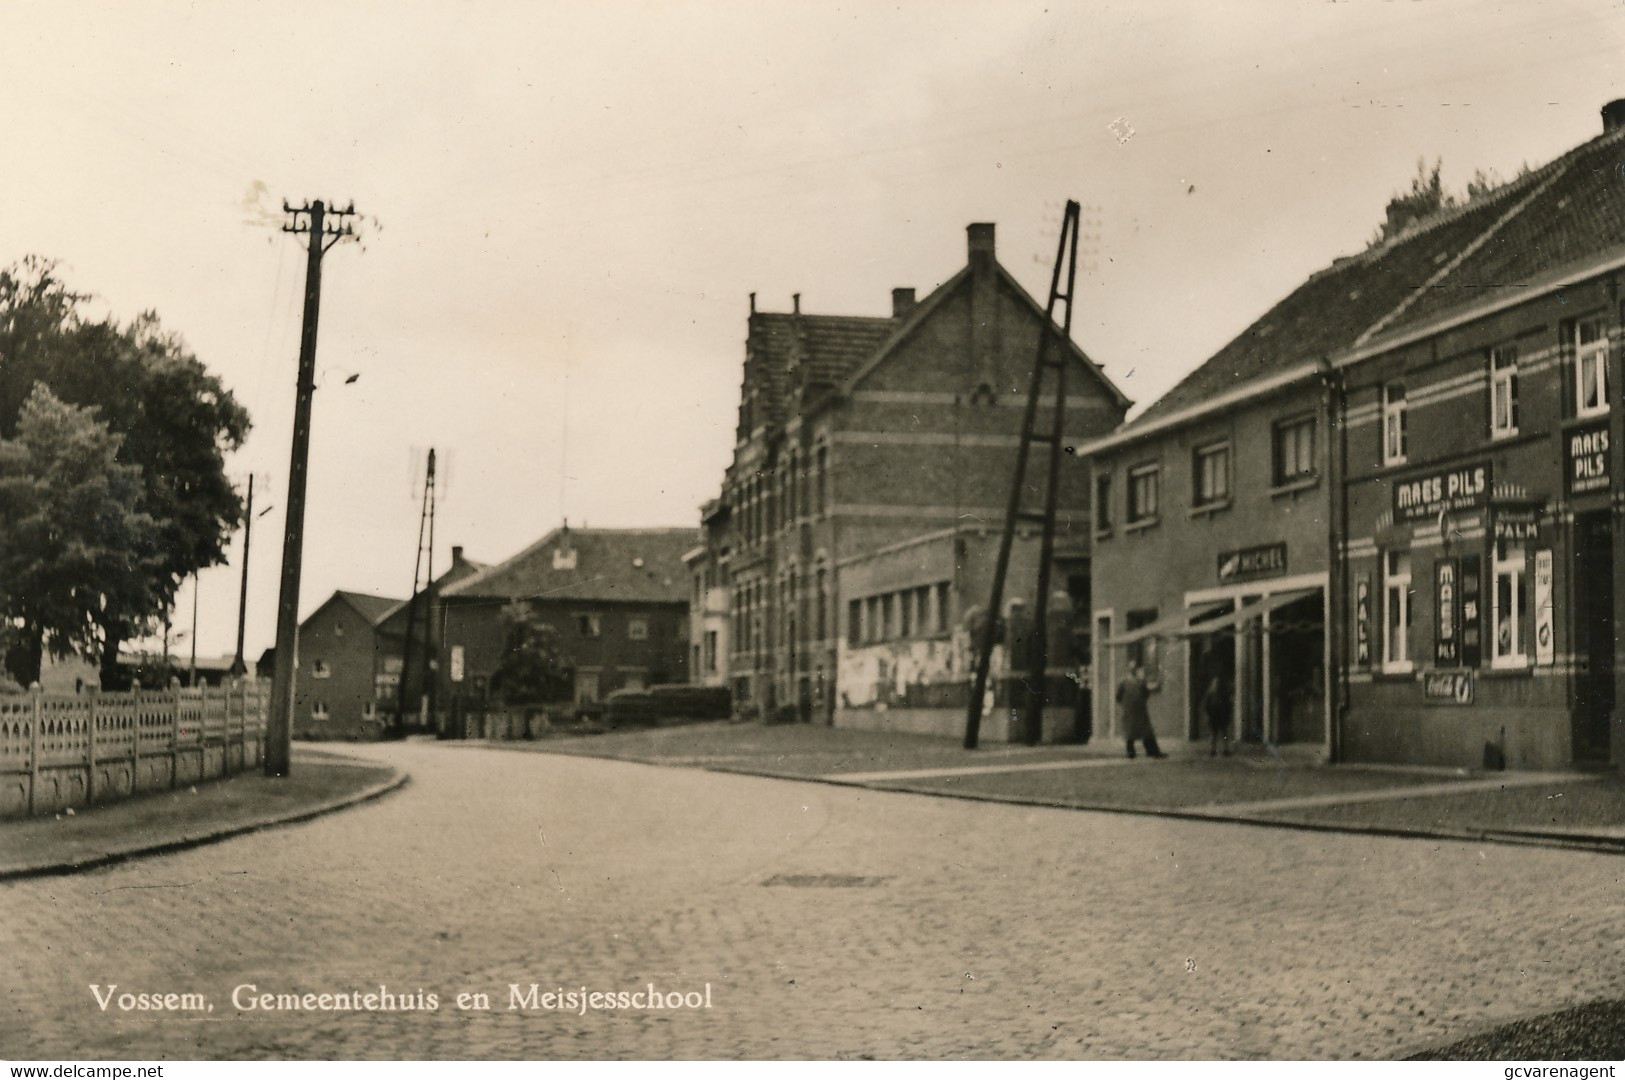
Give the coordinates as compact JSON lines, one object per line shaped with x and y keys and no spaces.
{"x":425,"y":528}
{"x":1052,"y":356}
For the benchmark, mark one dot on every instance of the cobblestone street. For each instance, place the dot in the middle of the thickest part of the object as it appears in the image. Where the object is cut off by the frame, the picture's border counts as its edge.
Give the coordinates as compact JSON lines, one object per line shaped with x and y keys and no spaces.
{"x":828,"y":921}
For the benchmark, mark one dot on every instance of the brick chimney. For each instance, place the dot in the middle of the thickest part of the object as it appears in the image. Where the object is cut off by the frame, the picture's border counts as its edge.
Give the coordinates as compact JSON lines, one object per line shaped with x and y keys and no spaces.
{"x":456,"y":554}
{"x":1613,"y":115}
{"x":984,"y":312}
{"x":902,"y":303}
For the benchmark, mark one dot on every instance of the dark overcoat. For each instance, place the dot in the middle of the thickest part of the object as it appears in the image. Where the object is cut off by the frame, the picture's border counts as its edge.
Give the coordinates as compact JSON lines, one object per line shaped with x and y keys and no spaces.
{"x":1131,"y":698}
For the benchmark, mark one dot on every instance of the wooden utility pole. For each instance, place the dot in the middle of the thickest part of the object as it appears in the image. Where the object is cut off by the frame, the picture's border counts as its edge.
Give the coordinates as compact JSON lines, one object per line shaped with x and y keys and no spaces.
{"x":239,"y":666}
{"x":279,"y":724}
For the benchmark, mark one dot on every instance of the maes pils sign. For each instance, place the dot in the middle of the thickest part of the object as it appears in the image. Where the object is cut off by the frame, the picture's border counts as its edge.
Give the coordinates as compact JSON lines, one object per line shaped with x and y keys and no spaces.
{"x":1465,"y":487}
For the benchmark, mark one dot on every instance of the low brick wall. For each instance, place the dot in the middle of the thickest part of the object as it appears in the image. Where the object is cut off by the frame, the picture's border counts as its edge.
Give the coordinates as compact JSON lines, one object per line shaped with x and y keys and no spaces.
{"x":64,"y":750}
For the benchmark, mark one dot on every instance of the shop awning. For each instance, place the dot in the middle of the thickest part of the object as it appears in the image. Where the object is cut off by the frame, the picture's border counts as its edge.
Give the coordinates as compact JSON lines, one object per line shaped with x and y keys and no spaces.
{"x":1167,"y":626}
{"x":1250,"y":610}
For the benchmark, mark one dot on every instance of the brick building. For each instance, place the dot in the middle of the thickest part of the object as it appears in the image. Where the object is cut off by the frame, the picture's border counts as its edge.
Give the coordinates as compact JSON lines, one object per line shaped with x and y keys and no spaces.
{"x":339,"y":656}
{"x":859,"y":519}
{"x":618,"y":599}
{"x":1414,"y":458}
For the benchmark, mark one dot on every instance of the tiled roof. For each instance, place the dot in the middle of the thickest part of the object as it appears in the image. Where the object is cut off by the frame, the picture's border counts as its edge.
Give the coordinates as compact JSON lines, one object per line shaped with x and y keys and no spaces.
{"x":395,"y":619}
{"x":372,"y":608}
{"x":636,"y":565}
{"x":795,"y":352}
{"x":1562,"y":214}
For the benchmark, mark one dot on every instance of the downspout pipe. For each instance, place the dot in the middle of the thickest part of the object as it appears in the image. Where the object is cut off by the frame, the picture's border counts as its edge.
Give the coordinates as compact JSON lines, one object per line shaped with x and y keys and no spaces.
{"x":1334,"y":398}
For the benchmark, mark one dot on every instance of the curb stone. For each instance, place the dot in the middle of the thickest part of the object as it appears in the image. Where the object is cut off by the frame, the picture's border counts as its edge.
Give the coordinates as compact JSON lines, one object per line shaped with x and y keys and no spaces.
{"x":198,"y":839}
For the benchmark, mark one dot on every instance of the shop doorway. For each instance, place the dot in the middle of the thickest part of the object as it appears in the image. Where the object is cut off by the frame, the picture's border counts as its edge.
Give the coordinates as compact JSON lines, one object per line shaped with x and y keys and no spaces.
{"x":1594,"y":634}
{"x":1213,"y":656}
{"x":1298,"y":671}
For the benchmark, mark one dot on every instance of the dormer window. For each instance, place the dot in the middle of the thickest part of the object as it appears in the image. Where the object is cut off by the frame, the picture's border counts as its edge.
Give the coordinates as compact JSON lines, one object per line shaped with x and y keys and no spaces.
{"x":564,"y":558}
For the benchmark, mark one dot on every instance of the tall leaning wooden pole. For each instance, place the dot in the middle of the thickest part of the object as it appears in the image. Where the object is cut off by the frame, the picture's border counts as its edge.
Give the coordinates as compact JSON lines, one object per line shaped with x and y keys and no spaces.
{"x":279,"y":724}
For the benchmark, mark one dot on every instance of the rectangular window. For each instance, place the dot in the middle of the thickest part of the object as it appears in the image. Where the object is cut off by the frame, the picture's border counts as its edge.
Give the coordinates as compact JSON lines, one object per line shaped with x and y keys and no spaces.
{"x":905,"y":614}
{"x":1211,"y":482}
{"x":1590,"y":368}
{"x":318,"y":710}
{"x":711,"y":651}
{"x":1503,"y":391}
{"x":1510,"y":604}
{"x":1397,"y":597}
{"x":1143,"y":493}
{"x":942,"y":607}
{"x":854,"y":623}
{"x":1103,"y":502}
{"x":888,"y":628}
{"x":1294,"y":450}
{"x":637,"y":629}
{"x":1393,"y":425}
{"x":321,"y":669}
{"x":589,"y":625}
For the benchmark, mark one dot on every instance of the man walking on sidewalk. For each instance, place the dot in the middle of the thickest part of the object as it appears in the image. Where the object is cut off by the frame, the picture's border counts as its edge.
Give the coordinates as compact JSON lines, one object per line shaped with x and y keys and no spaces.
{"x":1131,"y":698}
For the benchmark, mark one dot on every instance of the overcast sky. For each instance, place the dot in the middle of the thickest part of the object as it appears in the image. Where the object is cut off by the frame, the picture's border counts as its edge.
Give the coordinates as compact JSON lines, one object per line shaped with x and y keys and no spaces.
{"x":567,"y":205}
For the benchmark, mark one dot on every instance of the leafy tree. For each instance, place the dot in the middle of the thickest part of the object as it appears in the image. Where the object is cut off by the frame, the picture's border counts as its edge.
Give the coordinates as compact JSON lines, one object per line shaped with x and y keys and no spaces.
{"x":533,"y":667}
{"x":1426,"y":197}
{"x":72,"y":541}
{"x":176,"y":422}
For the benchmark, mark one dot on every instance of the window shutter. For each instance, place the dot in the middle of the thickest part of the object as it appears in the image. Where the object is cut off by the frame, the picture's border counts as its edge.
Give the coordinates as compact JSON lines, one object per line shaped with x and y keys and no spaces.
{"x":1512,"y":393}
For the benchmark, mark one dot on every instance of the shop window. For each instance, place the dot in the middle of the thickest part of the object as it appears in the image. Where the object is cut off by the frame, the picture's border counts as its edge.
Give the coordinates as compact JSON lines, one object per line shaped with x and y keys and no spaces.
{"x":637,"y":629}
{"x":1393,"y":425}
{"x":1294,"y":450}
{"x":1103,"y":502}
{"x":1211,"y":482}
{"x":1510,"y":602}
{"x":1397,"y":602}
{"x":1503,"y":391}
{"x":1144,"y":484}
{"x":1590,"y":368}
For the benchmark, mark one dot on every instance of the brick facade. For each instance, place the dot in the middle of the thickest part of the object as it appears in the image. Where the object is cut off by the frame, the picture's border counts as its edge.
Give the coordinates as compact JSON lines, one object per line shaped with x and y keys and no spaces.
{"x":862,"y":437}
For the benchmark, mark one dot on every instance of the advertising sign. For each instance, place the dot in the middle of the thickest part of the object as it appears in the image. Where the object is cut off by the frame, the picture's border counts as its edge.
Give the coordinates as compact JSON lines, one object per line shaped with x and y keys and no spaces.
{"x":1448,"y":688}
{"x":1545,"y":653}
{"x":1516,"y":524}
{"x":1585,"y":458}
{"x":1422,"y":498}
{"x":1264,"y":560}
{"x":1362,"y":620}
{"x":1470,"y":583}
{"x":1446,"y":636}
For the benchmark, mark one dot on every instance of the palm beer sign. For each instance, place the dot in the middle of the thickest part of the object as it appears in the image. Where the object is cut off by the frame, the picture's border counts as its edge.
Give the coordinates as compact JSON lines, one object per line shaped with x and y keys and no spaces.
{"x":1422,"y":498}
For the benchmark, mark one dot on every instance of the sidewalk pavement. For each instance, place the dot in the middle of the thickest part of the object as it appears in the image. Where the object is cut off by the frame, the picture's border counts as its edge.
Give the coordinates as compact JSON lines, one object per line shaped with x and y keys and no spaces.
{"x":1258,"y":784}
{"x":91,"y":836}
